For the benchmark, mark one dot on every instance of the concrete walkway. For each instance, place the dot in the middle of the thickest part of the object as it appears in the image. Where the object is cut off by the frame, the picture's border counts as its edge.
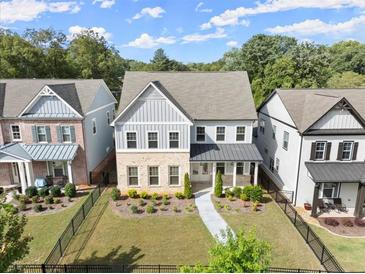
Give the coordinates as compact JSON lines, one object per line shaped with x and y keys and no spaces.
{"x":211,"y":218}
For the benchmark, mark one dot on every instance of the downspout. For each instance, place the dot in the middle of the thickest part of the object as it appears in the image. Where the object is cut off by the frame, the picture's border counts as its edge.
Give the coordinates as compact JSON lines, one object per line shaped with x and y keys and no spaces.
{"x":299,"y":161}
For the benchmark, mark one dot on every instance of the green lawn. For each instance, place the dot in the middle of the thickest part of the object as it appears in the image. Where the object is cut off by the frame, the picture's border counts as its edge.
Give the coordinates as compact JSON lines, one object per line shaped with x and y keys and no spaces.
{"x":46,"y":229}
{"x":348,"y":251}
{"x":288,"y":247}
{"x":146,"y":240}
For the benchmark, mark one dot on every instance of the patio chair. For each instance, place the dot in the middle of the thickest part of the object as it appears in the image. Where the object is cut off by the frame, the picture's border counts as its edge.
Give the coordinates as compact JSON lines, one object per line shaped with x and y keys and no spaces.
{"x":338,"y":204}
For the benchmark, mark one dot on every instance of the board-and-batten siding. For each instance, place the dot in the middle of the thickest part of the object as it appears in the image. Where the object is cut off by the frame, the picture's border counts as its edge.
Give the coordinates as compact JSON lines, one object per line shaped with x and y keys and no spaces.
{"x":163,"y":134}
{"x":50,"y":107}
{"x":337,"y":119}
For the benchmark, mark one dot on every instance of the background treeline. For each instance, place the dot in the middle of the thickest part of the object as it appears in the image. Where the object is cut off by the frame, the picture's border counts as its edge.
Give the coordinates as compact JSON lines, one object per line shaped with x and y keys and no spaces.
{"x":271,"y":61}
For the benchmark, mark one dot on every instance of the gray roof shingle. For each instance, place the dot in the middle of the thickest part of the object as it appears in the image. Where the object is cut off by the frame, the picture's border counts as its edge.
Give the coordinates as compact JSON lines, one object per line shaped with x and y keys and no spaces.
{"x":224,"y":152}
{"x":203,"y":95}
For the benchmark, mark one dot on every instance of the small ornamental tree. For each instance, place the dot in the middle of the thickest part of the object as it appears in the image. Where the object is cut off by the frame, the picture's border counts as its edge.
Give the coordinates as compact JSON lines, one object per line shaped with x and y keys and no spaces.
{"x":188,"y":192}
{"x":13,"y":245}
{"x":218,"y":188}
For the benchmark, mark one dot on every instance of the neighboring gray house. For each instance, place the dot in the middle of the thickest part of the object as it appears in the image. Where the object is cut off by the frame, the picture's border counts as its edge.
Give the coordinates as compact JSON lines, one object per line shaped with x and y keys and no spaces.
{"x":54,"y":129}
{"x":172,"y":123}
{"x":313,"y":143}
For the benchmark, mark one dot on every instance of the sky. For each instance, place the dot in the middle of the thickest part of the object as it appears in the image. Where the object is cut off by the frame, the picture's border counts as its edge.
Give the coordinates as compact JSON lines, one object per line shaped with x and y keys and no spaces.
{"x":189,"y":30}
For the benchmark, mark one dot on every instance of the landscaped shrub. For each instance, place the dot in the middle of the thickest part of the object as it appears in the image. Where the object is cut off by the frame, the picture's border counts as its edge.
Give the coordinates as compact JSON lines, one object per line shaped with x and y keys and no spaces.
{"x":132,"y":193}
{"x":55,"y":191}
{"x":35,"y":199}
{"x":218,"y":188}
{"x":134,"y":209}
{"x":227,"y":207}
{"x":228,"y":192}
{"x":57,"y":201}
{"x":141,"y":202}
{"x":38,"y":208}
{"x":22,"y":206}
{"x":165,"y":200}
{"x":175,"y":209}
{"x":31,"y":191}
{"x":244,"y":197}
{"x":150,"y":209}
{"x":237,"y":191}
{"x":331,"y":222}
{"x":115,"y":194}
{"x":155,"y":196}
{"x":179,"y":195}
{"x":255,"y":205}
{"x":255,"y":193}
{"x":70,"y":190}
{"x":48,"y":200}
{"x":188,"y":192}
{"x":23,"y":199}
{"x":9,"y":208}
{"x":43,"y":192}
{"x":16,"y":196}
{"x":144,"y":195}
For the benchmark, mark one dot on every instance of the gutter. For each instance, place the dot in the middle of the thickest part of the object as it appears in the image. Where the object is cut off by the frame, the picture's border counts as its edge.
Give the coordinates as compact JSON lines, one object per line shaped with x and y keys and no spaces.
{"x":299,"y":160}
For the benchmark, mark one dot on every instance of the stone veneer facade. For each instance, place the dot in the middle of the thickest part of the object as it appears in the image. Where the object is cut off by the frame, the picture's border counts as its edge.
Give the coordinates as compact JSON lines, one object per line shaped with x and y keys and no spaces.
{"x":143,"y":161}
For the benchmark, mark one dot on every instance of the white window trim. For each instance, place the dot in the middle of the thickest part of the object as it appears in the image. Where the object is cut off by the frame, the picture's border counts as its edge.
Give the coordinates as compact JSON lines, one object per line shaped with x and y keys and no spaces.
{"x":225,"y":134}
{"x":196,"y":134}
{"x":12,"y":133}
{"x":179,"y":176}
{"x":126,"y":140}
{"x":66,"y":142}
{"x":244,"y":141}
{"x":159,"y":176}
{"x":324,"y":151}
{"x":45,"y":133}
{"x":138,"y":177}
{"x":92,"y":126}
{"x":322,"y":188}
{"x":51,"y":169}
{"x":351,"y":151}
{"x":147,"y":143}
{"x":179,"y":140}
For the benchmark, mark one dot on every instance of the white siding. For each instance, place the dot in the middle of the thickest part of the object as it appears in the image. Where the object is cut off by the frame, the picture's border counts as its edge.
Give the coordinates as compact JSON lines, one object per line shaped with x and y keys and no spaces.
{"x":337,"y":119}
{"x":50,"y":106}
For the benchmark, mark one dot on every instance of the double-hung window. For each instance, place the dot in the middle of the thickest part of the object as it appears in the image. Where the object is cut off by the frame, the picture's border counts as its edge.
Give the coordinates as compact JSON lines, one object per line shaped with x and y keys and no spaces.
{"x":221,"y":168}
{"x":221,"y":134}
{"x":15,"y":131}
{"x":174,"y":175}
{"x":174,"y":139}
{"x":66,"y":134}
{"x":42,"y":134}
{"x":274,"y":132}
{"x":200,"y":134}
{"x":286,"y":140}
{"x":262,"y":126}
{"x":240,"y":134}
{"x":132,"y":176}
{"x":152,"y":140}
{"x":320,"y":151}
{"x":153,"y":175}
{"x":330,"y":190}
{"x":347,"y":150}
{"x":239,"y":169}
{"x":131,"y":139}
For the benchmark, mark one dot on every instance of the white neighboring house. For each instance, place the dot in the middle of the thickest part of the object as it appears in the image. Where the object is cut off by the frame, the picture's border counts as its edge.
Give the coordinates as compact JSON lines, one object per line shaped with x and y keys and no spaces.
{"x":313,"y":143}
{"x":172,"y":123}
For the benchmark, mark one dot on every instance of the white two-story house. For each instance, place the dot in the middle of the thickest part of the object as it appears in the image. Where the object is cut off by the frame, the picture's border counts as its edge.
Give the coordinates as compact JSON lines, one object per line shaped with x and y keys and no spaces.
{"x":313,"y":143}
{"x":172,"y":123}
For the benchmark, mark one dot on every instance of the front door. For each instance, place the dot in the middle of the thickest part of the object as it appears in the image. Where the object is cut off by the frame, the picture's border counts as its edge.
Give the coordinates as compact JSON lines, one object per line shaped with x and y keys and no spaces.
{"x":15,"y":170}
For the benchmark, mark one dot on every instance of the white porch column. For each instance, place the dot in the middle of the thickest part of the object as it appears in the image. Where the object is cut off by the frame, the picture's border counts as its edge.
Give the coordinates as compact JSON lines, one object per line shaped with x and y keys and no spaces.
{"x":256,"y":173}
{"x":234,"y":173}
{"x":23,"y":180}
{"x":214,"y":166}
{"x":29,"y":172}
{"x":69,"y":172}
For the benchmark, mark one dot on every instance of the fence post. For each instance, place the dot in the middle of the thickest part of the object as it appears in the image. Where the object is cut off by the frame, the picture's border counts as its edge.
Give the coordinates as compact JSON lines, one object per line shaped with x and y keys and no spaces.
{"x":91,"y":177}
{"x":286,"y":203}
{"x":276,"y":196}
{"x":83,"y":212}
{"x":295,"y":217}
{"x":73,"y":226}
{"x":92,"y":198}
{"x":99,"y":190}
{"x":159,"y":268}
{"x":307,"y":239}
{"x":43,"y":268}
{"x":59,"y":243}
{"x":65,"y":268}
{"x":322,"y":254}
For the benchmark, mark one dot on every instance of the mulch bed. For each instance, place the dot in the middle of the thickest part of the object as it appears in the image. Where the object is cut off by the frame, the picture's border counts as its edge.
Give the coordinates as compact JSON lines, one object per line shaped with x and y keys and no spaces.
{"x":236,"y":205}
{"x":345,"y":226}
{"x":175,"y":207}
{"x":65,"y":203}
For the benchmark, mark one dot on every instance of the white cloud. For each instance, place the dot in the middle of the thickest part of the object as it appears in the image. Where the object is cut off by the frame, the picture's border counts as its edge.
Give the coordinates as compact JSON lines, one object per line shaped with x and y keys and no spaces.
{"x":232,"y":17}
{"x":146,"y":41}
{"x":232,"y":44}
{"x":75,"y":30}
{"x":196,"y":37}
{"x":316,"y":27}
{"x":105,"y":4}
{"x":155,"y":12}
{"x":28,"y":10}
{"x":199,"y":8}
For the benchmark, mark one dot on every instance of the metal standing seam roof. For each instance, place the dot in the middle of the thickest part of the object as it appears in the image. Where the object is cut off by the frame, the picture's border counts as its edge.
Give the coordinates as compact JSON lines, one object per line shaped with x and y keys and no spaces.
{"x":53,"y":152}
{"x":15,"y":150}
{"x":224,"y":152}
{"x":329,"y":172}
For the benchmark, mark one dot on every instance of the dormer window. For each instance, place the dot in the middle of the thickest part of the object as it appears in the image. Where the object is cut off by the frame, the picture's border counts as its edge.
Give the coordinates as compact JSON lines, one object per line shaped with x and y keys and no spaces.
{"x":131,"y":139}
{"x":221,"y":133}
{"x":152,"y":140}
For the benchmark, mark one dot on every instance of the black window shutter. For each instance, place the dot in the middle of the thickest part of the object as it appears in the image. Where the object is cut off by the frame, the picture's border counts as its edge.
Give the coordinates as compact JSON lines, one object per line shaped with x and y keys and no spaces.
{"x":59,"y":134}
{"x":34,"y":134}
{"x":339,"y":153}
{"x":328,"y":150}
{"x":354,"y":153}
{"x":73,"y":135}
{"x":48,"y":133}
{"x":313,"y":151}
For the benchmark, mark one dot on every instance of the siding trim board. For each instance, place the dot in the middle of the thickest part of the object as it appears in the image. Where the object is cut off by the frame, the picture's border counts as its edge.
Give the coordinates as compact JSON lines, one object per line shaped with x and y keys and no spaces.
{"x":278,"y":120}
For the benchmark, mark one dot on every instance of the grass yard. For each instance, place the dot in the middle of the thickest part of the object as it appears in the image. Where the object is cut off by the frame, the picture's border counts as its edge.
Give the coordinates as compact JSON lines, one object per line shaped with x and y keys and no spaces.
{"x":46,"y":229}
{"x":107,"y":237}
{"x":348,"y":251}
{"x":288,"y":247}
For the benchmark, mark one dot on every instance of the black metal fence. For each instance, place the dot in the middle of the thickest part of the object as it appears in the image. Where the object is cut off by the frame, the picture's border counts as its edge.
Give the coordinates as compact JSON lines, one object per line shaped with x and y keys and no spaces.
{"x":36,"y":268}
{"x":62,"y":243}
{"x":326,"y":258}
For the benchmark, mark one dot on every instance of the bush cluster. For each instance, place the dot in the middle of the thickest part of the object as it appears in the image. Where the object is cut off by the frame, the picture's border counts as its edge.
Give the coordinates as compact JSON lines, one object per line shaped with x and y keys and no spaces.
{"x":144,"y":195}
{"x":70,"y":190}
{"x":132,"y":193}
{"x":31,"y":191}
{"x":38,"y":208}
{"x":55,"y":191}
{"x":150,"y":209}
{"x":134,"y":209}
{"x":254,"y":193}
{"x":48,"y":200}
{"x":115,"y":194}
{"x":180,"y":195}
{"x":43,"y":192}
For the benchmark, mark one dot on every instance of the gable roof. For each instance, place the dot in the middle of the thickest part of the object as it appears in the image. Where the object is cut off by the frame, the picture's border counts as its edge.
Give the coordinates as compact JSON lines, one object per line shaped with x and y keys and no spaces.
{"x":16,"y":94}
{"x":202,"y":95}
{"x":307,"y":106}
